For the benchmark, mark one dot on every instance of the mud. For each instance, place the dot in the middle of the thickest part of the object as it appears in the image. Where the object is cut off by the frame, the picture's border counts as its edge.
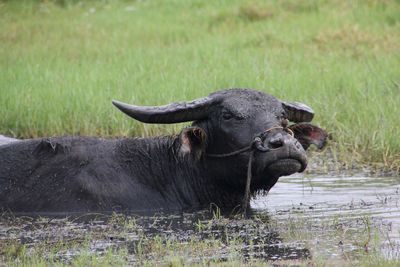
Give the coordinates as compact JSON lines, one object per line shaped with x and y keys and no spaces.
{"x":302,"y":218}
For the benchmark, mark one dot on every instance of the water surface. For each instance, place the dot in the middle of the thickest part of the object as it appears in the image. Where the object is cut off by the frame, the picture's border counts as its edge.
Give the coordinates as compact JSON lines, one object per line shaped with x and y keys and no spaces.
{"x":339,"y":211}
{"x":302,"y":218}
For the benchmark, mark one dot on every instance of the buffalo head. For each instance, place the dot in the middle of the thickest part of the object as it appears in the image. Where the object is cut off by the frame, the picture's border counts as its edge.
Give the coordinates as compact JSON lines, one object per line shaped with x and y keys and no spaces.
{"x":231,"y":120}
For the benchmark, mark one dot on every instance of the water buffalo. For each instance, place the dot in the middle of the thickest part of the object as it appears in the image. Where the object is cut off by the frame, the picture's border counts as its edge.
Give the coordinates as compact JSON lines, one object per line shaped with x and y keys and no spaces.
{"x":205,"y":163}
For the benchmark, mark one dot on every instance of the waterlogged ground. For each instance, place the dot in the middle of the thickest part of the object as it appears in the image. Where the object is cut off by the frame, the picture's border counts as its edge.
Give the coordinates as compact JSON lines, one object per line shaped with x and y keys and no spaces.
{"x":344,"y":216}
{"x":304,"y":220}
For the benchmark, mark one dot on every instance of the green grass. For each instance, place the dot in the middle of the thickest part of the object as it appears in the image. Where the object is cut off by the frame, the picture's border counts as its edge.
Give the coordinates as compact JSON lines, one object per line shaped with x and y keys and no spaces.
{"x":215,"y":242}
{"x":61,"y":63}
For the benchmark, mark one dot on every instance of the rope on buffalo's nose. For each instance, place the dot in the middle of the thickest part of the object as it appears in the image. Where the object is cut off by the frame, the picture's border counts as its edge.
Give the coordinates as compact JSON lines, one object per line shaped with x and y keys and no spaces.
{"x":257,"y":141}
{"x":289,"y":131}
{"x":256,"y":144}
{"x":286,"y":129}
{"x":246,"y":198}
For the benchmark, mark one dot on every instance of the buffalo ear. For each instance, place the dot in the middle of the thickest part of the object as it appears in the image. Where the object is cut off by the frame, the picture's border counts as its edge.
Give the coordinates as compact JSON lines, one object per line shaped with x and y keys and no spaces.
{"x":308,"y":134}
{"x":193,"y":142}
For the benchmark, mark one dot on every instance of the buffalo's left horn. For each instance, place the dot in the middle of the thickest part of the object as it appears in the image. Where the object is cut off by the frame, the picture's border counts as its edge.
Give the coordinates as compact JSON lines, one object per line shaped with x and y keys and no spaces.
{"x":171,"y":113}
{"x":298,"y":112}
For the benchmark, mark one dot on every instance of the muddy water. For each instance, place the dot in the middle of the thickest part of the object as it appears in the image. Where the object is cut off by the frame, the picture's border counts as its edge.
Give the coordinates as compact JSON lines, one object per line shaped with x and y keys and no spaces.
{"x":302,"y":218}
{"x":339,"y":215}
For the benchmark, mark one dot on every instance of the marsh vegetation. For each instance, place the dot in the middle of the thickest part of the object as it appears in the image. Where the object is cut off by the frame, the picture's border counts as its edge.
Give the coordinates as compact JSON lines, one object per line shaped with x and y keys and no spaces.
{"x":312,"y":227}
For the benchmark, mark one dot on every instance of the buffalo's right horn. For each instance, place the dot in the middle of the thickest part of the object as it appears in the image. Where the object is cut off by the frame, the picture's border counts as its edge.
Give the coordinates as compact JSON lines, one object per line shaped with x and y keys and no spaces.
{"x":298,"y":112}
{"x":171,"y":113}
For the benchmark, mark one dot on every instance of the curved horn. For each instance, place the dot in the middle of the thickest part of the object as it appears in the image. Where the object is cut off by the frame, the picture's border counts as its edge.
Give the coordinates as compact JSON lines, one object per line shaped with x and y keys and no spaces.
{"x":298,"y":112}
{"x":171,"y":113}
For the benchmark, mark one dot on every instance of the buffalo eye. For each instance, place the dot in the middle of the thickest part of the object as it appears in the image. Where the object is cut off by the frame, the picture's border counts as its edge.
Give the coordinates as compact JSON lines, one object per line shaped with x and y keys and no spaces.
{"x":227,"y":115}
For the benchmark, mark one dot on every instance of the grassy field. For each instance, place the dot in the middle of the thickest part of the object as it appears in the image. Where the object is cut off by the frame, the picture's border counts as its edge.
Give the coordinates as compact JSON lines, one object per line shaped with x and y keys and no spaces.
{"x":61,"y":63}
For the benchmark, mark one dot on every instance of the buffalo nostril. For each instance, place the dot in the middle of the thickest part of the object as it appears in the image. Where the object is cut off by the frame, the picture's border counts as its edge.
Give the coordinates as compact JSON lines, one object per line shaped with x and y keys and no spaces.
{"x":276,"y":141}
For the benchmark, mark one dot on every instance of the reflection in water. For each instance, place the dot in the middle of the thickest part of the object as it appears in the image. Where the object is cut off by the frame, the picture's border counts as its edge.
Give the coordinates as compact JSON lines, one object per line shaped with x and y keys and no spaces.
{"x":354,"y":204}
{"x":301,"y":218}
{"x":251,"y":238}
